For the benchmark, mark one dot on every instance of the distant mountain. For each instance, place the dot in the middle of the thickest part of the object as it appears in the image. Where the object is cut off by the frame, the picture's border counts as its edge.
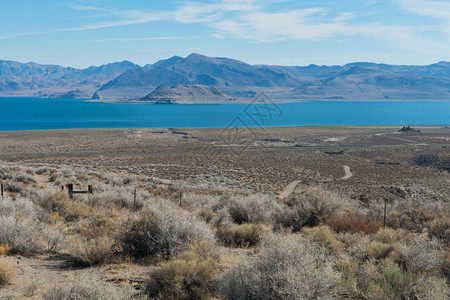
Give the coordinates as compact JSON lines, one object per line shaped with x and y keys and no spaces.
{"x":354,"y":81}
{"x":31,"y":79}
{"x":187,"y":93}
{"x":230,"y":75}
{"x":236,"y":79}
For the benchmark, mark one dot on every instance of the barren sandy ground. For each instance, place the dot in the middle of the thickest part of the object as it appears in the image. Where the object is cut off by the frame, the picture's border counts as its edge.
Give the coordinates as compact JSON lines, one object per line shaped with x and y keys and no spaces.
{"x":267,"y":160}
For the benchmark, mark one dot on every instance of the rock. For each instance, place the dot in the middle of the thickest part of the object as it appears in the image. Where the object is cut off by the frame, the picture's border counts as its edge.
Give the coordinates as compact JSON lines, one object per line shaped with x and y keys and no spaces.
{"x":408,"y":129}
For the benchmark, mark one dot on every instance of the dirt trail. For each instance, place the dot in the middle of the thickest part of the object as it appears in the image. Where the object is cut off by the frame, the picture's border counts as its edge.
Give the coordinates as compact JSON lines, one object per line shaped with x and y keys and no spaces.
{"x":291,"y":186}
{"x":36,"y":275}
{"x":289,"y":189}
{"x":42,"y":181}
{"x":348,"y":173}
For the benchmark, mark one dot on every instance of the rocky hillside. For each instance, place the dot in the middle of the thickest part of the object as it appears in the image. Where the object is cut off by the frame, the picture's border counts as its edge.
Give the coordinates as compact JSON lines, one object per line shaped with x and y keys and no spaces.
{"x":187,"y":93}
{"x":35,"y":80}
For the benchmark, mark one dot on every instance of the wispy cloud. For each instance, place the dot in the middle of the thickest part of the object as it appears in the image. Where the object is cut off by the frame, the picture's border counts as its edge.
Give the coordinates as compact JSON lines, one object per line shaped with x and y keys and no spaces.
{"x":19,"y":34}
{"x":86,"y":7}
{"x":156,"y":38}
{"x":434,"y":9}
{"x":122,"y":18}
{"x":261,"y":21}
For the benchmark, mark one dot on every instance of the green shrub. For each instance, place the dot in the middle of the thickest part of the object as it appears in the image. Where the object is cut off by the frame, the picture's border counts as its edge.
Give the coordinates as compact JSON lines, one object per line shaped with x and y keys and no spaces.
{"x":186,"y":276}
{"x":394,"y":283}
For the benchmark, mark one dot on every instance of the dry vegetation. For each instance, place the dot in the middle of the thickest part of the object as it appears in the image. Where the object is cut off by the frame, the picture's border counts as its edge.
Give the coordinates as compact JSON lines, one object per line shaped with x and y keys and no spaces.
{"x":221,"y":243}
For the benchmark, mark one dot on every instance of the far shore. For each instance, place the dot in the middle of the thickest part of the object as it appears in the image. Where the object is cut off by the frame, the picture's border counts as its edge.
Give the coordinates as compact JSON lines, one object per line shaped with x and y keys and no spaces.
{"x":236,"y":101}
{"x":278,"y":101}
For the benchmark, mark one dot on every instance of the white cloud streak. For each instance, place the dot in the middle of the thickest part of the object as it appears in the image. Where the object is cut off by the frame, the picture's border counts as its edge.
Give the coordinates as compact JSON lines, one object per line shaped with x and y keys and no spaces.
{"x":157,"y":38}
{"x":434,"y":9}
{"x":254,"y":21}
{"x":20,"y":34}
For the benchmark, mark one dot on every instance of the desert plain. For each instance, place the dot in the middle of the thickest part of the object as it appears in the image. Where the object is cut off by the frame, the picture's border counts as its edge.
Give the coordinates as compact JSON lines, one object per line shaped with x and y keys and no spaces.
{"x":365,"y":167}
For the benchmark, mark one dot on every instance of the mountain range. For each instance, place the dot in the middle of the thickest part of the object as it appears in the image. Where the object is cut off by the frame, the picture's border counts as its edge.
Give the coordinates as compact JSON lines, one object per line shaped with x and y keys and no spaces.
{"x":215,"y":79}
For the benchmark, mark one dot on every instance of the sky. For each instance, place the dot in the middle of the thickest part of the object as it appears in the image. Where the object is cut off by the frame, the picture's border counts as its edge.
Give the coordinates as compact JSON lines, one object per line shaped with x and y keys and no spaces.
{"x":81,"y":33}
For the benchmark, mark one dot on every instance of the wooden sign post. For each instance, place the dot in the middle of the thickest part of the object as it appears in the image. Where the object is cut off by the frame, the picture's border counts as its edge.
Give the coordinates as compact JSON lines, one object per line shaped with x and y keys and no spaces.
{"x":71,"y":191}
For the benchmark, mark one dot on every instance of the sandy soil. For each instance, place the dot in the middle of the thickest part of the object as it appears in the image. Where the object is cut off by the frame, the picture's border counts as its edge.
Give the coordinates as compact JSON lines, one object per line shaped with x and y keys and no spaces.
{"x":260,"y":159}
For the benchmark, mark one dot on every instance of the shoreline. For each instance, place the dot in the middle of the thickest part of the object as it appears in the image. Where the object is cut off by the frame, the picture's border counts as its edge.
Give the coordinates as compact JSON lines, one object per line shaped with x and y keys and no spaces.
{"x":269,"y":128}
{"x":238,"y":101}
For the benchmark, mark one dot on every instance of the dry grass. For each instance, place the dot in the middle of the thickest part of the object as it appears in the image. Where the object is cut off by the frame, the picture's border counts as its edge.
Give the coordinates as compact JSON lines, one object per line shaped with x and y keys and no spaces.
{"x":286,"y":268}
{"x":186,"y":276}
{"x":88,"y":288}
{"x":94,"y":252}
{"x":19,"y":235}
{"x":255,"y":208}
{"x":422,"y":255}
{"x":316,"y":251}
{"x":4,"y":249}
{"x":313,"y":208}
{"x":7,"y":271}
{"x":161,"y":230}
{"x":324,"y":236}
{"x":244,"y":235}
{"x":354,"y":224}
{"x":440,"y":229}
{"x":378,"y":250}
{"x":69,"y":209}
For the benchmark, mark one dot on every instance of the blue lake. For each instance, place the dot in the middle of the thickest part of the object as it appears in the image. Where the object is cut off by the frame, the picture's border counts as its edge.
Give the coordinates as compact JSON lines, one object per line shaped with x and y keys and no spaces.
{"x":32,"y":113}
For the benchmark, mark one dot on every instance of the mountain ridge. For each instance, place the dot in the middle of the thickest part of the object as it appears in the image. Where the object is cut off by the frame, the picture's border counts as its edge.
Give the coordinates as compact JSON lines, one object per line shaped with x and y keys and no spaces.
{"x":32,"y":79}
{"x":127,"y":81}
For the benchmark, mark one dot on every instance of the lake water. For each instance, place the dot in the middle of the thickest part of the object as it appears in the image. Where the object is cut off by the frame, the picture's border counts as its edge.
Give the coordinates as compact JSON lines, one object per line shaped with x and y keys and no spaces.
{"x":32,"y":113}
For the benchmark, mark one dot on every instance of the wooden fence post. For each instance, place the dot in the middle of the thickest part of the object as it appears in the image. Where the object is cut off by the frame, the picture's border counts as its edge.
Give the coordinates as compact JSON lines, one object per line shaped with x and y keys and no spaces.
{"x":384,"y":219}
{"x":181,"y":196}
{"x":2,"y":190}
{"x":134,"y":199}
{"x":90,"y":189}
{"x":70,"y":190}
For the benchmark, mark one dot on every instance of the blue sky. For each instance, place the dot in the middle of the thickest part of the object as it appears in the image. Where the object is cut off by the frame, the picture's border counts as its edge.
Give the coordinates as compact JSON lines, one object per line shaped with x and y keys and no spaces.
{"x":80,"y":33}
